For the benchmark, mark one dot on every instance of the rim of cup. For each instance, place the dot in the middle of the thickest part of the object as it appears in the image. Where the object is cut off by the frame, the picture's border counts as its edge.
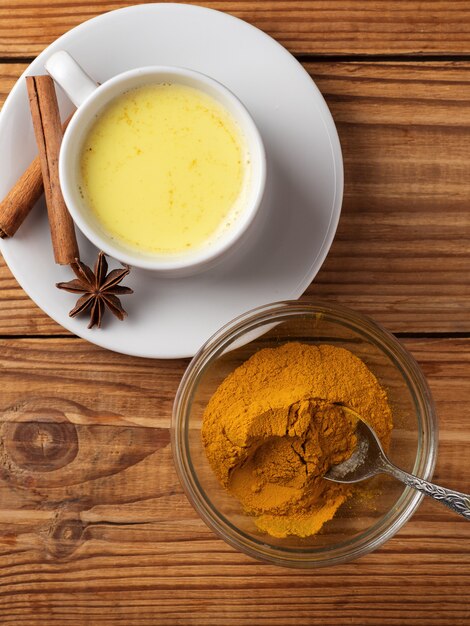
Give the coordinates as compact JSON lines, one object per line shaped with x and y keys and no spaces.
{"x":88,"y":111}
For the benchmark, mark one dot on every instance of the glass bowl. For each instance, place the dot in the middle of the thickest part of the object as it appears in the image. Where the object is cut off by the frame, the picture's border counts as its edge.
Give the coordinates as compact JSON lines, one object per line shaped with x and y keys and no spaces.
{"x":362,"y":523}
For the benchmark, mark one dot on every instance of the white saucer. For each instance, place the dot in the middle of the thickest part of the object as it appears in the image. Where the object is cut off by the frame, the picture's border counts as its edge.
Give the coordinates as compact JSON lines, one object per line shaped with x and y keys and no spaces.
{"x":170,"y":318}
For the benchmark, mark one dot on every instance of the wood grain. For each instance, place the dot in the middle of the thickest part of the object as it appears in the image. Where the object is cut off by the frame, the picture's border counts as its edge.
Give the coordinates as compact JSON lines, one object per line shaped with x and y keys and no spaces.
{"x":404,"y":232}
{"x":401,"y":253}
{"x":95,"y":528}
{"x":303,"y":26}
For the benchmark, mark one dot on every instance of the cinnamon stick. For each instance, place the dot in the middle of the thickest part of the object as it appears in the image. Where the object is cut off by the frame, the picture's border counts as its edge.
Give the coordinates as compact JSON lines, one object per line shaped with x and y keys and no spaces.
{"x":48,"y":131}
{"x":21,"y":198}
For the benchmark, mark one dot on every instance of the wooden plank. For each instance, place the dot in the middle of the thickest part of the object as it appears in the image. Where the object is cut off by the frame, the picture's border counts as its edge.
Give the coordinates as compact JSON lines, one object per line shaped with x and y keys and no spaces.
{"x":108,"y":537}
{"x":303,"y":26}
{"x":401,"y":252}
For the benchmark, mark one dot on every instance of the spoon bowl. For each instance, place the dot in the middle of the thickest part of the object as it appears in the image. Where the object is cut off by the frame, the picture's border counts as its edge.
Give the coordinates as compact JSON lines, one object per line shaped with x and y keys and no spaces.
{"x":364,"y":462}
{"x":369,"y":459}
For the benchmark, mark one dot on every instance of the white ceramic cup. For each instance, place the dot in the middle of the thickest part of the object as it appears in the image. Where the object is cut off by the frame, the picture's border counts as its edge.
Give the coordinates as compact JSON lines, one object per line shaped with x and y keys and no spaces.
{"x":90,"y":99}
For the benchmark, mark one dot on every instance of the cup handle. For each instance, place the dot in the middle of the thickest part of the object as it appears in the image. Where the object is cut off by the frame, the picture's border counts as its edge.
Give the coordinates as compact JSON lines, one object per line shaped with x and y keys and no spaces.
{"x":70,"y":76}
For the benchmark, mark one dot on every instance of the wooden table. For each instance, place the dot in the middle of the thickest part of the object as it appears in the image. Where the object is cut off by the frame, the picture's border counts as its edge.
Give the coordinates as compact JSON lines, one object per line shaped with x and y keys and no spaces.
{"x":108,"y":537}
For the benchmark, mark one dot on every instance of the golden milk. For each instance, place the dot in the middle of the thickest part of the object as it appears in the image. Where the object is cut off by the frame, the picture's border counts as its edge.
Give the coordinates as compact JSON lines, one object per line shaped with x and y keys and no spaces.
{"x":164,"y":169}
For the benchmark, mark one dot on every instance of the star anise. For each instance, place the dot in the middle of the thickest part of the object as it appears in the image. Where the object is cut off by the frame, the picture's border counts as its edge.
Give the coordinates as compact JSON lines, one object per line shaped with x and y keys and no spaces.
{"x":100,"y":290}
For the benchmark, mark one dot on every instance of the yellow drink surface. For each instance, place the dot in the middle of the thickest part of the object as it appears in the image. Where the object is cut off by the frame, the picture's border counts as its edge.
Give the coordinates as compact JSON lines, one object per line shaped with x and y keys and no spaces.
{"x":163,"y":169}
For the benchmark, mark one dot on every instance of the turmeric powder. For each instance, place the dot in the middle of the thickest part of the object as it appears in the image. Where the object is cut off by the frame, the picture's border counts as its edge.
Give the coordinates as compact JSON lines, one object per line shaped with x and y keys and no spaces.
{"x":272,"y":430}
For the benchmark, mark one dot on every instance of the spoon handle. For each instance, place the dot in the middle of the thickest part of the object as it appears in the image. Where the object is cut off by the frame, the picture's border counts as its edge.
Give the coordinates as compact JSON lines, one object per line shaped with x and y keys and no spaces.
{"x":458,"y":502}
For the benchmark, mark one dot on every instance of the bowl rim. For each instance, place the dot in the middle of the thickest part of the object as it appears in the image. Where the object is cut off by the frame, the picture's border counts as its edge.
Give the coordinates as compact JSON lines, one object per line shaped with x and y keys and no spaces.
{"x":426,"y":454}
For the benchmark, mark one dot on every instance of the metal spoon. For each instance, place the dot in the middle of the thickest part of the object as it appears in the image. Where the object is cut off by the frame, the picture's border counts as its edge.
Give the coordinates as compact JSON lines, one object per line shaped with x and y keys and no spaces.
{"x":369,"y":459}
